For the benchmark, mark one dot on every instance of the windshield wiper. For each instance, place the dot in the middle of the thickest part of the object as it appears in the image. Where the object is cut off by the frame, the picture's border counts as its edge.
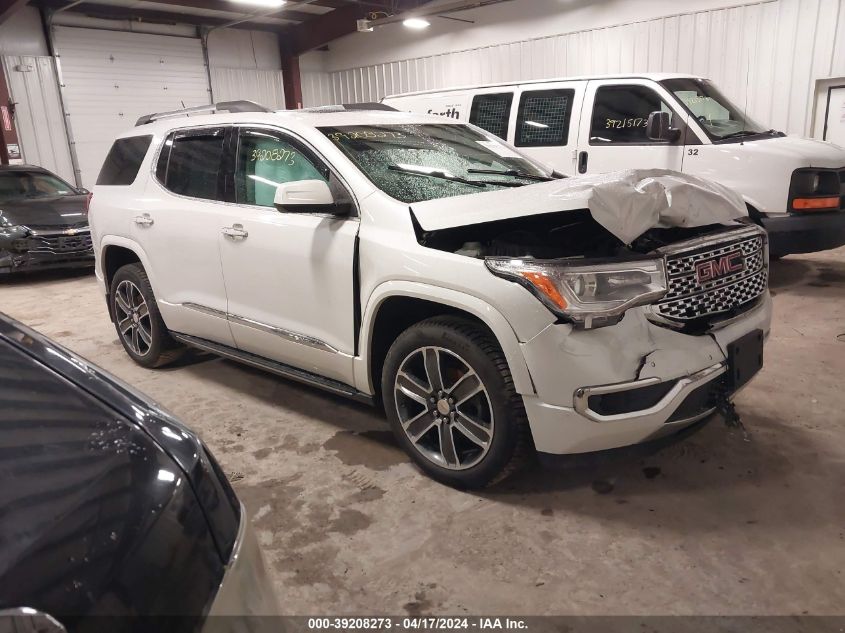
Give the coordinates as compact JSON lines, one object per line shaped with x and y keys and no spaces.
{"x":434,"y":173}
{"x":740,"y":133}
{"x":514,"y":173}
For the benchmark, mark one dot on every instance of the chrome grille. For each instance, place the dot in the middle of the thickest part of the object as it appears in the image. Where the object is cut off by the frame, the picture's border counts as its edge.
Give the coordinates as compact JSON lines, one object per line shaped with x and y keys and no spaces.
{"x":60,"y":243}
{"x":688,"y":298}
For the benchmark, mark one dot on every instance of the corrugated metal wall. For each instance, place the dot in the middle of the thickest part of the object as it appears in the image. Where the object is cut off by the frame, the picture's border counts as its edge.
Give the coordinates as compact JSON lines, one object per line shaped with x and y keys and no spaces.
{"x":779,"y":46}
{"x":262,"y":86}
{"x":317,"y":89}
{"x":38,"y":113}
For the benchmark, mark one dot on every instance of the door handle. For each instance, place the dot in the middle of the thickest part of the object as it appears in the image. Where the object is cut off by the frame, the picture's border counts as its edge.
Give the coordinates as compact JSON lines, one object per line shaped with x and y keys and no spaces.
{"x":236,"y":232}
{"x":582,"y":162}
{"x":144,"y":220}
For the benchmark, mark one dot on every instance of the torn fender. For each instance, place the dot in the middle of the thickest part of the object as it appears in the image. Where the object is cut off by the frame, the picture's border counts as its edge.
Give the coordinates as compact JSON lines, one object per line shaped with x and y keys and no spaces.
{"x":626,"y":203}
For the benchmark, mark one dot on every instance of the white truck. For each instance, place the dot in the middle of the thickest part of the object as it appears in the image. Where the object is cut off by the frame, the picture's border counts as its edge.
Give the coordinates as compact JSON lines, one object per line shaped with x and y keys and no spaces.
{"x":423,"y":264}
{"x":794,"y":187}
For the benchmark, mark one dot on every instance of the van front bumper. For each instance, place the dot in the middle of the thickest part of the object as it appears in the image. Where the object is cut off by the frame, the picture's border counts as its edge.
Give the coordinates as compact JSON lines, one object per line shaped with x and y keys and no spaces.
{"x":795,"y":233}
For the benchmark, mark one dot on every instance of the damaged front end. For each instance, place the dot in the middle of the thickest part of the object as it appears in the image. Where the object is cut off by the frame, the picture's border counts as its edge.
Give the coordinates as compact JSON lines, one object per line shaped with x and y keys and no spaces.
{"x":23,"y":249}
{"x":658,"y":283}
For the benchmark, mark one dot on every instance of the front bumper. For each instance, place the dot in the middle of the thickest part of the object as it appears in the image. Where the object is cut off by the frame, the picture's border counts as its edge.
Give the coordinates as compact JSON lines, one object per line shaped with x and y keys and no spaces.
{"x":12,"y":261}
{"x":804,"y":232}
{"x":246,"y":589}
{"x":673,"y":376}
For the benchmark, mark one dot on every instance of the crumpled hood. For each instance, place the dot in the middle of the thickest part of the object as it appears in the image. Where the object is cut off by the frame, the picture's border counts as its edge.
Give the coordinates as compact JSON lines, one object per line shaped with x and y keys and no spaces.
{"x":626,"y":203}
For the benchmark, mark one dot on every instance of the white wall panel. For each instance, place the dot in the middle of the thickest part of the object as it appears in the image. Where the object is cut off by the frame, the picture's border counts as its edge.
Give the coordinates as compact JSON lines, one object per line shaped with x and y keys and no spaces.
{"x":22,"y":34}
{"x":111,"y":78}
{"x":768,"y":54}
{"x":262,"y":86}
{"x":38,"y":114}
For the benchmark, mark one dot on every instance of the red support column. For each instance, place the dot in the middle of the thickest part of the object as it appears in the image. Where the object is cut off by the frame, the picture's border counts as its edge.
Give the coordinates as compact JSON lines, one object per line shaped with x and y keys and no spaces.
{"x":9,"y":143}
{"x":292,"y":82}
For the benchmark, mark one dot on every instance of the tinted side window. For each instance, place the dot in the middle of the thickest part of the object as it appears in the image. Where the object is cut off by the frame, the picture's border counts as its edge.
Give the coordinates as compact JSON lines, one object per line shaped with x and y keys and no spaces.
{"x":124,"y":160}
{"x":193,"y":167}
{"x":492,"y":113}
{"x":620,"y":114}
{"x":265,"y":161}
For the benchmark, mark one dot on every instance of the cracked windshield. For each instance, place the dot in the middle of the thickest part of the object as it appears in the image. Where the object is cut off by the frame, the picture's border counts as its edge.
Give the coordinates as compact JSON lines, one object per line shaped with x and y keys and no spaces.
{"x":413,"y":163}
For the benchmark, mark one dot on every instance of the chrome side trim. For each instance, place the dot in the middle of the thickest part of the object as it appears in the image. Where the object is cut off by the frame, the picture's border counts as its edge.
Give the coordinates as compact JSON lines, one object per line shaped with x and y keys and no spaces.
{"x":293,"y":337}
{"x":288,"y":335}
{"x":220,"y":314}
{"x":666,"y":406}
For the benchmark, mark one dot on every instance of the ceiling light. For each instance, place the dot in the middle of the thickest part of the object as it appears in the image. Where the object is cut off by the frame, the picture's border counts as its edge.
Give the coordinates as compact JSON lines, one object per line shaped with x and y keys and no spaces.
{"x":266,"y":4}
{"x":417,"y":23}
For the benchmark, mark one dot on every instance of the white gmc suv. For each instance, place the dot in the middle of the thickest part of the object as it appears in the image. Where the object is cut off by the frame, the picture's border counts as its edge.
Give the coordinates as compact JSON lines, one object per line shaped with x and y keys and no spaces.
{"x":493,"y":309}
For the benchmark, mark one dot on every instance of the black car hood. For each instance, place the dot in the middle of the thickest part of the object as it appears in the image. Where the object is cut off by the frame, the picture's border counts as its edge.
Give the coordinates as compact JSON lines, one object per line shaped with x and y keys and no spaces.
{"x":52,"y":211}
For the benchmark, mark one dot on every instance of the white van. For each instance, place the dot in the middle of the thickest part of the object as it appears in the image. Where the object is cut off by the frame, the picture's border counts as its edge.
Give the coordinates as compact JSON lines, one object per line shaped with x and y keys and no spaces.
{"x":794,"y":187}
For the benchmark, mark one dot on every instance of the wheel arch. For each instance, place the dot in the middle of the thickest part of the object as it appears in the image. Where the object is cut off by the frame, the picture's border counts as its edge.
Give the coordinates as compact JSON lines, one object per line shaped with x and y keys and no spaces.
{"x":117,"y":252}
{"x":395,"y":306}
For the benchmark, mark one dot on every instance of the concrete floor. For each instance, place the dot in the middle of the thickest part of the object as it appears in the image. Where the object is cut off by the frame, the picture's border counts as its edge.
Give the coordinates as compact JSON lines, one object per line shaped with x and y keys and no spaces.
{"x":716,"y":525}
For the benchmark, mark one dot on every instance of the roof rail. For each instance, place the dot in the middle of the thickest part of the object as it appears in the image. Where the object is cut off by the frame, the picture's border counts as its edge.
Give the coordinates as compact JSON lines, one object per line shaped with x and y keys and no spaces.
{"x":349,"y":107}
{"x":223,"y":106}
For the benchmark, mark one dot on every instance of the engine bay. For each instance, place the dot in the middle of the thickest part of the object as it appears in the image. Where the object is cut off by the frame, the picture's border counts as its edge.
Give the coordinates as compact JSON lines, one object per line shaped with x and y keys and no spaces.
{"x":567,"y":235}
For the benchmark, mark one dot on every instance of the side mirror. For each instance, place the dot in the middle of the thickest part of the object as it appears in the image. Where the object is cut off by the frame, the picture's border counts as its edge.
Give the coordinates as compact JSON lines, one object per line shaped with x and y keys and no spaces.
{"x":659,"y":127}
{"x":308,"y":196}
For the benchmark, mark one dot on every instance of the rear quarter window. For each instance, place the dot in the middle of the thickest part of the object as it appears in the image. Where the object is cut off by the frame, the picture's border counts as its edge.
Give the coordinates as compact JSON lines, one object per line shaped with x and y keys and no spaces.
{"x":124,"y":160}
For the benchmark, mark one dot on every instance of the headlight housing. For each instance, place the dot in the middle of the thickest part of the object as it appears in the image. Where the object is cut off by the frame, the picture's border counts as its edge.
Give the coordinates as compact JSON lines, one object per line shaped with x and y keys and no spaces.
{"x":588,"y":295}
{"x":814,"y":190}
{"x":14,"y":238}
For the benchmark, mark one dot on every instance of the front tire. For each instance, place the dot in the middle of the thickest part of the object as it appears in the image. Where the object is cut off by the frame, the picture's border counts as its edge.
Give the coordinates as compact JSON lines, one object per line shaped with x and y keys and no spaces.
{"x":138,"y":322}
{"x":452,"y":405}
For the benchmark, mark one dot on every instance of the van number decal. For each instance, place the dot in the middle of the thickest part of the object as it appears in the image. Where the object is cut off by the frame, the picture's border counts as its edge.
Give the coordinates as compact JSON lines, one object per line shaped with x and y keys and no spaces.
{"x":692,"y":152}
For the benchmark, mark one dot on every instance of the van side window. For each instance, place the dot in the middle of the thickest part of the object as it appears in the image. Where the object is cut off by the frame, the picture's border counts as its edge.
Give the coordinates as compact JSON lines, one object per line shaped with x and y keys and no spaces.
{"x":191,"y":167}
{"x":265,"y":161}
{"x":620,"y":114}
{"x":492,"y":113}
{"x":543,"y":118}
{"x":124,"y":160}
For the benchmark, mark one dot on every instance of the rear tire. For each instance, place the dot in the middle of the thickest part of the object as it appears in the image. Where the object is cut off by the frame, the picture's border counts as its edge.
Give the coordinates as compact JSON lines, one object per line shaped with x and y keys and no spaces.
{"x":137,"y":320}
{"x":451,"y":402}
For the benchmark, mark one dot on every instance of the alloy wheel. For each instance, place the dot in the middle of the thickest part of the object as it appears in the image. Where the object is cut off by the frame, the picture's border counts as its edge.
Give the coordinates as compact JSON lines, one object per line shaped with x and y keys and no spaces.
{"x":133,"y":318}
{"x":444,"y":408}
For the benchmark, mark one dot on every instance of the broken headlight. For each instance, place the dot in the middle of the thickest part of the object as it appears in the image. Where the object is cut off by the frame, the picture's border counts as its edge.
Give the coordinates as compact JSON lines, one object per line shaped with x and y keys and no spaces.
{"x":588,"y":295}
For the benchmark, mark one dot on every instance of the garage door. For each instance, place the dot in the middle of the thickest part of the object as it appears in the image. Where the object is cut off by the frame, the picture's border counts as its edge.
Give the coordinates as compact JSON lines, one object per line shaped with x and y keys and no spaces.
{"x":111,"y":78}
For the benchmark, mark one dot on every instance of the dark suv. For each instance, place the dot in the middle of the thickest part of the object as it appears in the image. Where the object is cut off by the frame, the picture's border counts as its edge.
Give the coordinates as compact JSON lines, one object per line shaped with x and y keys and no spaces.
{"x":109,"y":506}
{"x":43,"y":221}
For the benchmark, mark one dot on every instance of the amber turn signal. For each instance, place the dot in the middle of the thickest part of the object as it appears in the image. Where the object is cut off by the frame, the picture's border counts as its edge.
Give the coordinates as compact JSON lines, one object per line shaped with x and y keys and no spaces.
{"x":816,"y":204}
{"x":545,"y":285}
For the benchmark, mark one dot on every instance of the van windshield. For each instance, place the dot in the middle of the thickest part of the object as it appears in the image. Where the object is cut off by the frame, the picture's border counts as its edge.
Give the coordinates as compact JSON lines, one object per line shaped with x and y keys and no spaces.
{"x":416,"y":162}
{"x":720,"y":118}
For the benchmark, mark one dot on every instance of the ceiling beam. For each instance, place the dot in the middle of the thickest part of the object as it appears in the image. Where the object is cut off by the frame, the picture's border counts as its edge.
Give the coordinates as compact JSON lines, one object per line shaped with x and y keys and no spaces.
{"x":342,"y":21}
{"x":229,"y":7}
{"x":157,"y":17}
{"x":8,"y":8}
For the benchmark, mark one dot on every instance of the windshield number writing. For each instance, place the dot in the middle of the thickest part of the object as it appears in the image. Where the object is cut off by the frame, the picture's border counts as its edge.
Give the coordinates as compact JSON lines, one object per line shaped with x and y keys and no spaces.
{"x":623,"y":123}
{"x":364,"y":135}
{"x":285,"y":156}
